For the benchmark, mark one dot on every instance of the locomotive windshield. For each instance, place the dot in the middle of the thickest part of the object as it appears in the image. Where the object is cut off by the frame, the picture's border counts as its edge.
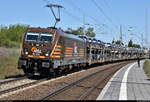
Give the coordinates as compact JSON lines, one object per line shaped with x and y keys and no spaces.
{"x":41,"y":37}
{"x":32,"y":36}
{"x":46,"y":37}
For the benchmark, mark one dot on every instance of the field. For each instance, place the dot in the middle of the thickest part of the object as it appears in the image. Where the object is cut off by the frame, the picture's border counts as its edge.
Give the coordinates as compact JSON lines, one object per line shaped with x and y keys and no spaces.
{"x":8,"y":63}
{"x":146,"y":67}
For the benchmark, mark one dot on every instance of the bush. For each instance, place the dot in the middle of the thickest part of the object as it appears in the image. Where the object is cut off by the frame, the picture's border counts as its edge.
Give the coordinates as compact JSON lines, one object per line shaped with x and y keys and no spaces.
{"x":146,"y":67}
{"x":11,"y":36}
{"x":8,"y":67}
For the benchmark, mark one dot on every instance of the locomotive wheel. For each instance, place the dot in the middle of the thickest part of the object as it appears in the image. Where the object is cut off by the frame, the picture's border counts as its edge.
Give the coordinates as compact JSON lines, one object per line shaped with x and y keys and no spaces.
{"x":77,"y":67}
{"x":57,"y":72}
{"x":81,"y":67}
{"x":52,"y":73}
{"x":66,"y":71}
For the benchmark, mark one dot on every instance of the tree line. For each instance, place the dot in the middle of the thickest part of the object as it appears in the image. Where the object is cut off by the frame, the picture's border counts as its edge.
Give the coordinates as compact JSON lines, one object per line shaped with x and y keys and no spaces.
{"x":81,"y":31}
{"x":130,"y":44}
{"x":90,"y":33}
{"x":11,"y":36}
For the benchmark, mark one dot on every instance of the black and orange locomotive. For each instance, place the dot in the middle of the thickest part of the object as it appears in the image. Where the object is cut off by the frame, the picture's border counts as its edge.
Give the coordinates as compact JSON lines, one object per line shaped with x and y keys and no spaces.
{"x":48,"y":51}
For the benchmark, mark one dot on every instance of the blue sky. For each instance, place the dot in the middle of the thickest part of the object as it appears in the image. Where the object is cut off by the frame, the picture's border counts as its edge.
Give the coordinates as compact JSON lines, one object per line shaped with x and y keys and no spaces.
{"x":128,"y":13}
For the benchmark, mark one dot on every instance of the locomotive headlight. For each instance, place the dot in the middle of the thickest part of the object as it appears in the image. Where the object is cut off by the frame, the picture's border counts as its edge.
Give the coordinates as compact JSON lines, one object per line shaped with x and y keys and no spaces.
{"x":26,"y":51}
{"x":48,"y":53}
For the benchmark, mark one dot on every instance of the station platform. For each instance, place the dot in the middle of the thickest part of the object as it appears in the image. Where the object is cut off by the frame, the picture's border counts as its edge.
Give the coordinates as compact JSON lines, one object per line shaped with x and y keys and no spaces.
{"x":129,"y":83}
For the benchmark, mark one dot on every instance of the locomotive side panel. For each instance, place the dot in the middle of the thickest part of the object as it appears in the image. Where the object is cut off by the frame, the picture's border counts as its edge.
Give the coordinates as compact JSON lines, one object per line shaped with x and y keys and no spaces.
{"x":69,"y":51}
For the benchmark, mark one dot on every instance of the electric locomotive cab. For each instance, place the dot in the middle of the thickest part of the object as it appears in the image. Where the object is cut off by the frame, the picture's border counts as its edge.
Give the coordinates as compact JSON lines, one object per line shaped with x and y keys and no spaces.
{"x":47,"y":51}
{"x":36,"y":47}
{"x":36,"y":42}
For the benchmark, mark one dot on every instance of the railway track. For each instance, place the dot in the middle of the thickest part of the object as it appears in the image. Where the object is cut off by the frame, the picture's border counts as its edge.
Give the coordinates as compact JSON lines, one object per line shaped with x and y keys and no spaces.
{"x":12,"y":80}
{"x":81,"y":89}
{"x":87,"y":93}
{"x":13,"y":88}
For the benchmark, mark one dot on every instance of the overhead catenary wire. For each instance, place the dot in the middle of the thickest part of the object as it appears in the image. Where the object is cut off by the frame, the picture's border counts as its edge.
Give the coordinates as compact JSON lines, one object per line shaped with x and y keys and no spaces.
{"x":73,"y":4}
{"x":67,"y":12}
{"x":110,"y":10}
{"x":46,"y":1}
{"x":83,"y":12}
{"x":80,"y":10}
{"x":77,"y":18}
{"x":87,"y":15}
{"x":104,"y":14}
{"x":73,"y":16}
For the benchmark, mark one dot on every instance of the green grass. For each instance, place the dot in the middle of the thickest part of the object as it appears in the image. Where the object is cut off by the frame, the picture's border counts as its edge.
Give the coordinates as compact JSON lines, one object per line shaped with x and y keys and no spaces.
{"x":8,"y":65}
{"x":146,"y":67}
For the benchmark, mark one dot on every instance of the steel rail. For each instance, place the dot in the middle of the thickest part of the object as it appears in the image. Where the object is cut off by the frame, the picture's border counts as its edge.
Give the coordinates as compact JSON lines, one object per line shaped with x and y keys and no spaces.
{"x":76,"y":81}
{"x":94,"y":86}
{"x":21,"y":86}
{"x":12,"y":80}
